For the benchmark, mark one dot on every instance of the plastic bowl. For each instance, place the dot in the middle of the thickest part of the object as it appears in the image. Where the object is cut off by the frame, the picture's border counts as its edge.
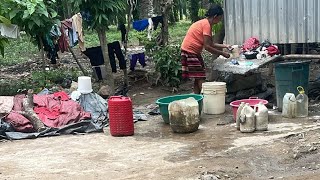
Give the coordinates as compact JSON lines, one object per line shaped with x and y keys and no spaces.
{"x":252,"y":102}
{"x":251,"y":54}
{"x":165,"y":101}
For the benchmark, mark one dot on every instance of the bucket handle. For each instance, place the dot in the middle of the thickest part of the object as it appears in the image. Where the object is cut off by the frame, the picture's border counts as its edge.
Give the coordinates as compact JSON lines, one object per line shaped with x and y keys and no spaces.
{"x":253,"y":97}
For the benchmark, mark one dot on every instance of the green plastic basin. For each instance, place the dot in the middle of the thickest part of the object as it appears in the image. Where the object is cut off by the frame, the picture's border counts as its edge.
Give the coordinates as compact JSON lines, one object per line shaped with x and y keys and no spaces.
{"x":165,"y":101}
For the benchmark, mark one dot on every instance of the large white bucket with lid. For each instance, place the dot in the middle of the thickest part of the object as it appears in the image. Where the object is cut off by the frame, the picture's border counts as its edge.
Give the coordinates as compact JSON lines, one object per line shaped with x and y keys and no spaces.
{"x":84,"y":84}
{"x":214,"y":97}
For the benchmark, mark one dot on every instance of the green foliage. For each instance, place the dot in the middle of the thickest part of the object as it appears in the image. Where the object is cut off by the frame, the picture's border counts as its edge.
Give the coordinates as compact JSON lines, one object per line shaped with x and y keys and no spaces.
{"x":220,"y":2}
{"x":168,"y":64}
{"x":35,"y":17}
{"x":202,"y":13}
{"x":50,"y":78}
{"x":37,"y":82}
{"x":18,"y":51}
{"x":3,"y":41}
{"x":103,"y":11}
{"x":217,"y":27}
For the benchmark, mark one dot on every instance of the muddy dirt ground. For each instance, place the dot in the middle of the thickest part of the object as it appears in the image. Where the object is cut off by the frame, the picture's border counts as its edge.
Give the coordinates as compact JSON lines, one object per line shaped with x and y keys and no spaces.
{"x":290,"y":149}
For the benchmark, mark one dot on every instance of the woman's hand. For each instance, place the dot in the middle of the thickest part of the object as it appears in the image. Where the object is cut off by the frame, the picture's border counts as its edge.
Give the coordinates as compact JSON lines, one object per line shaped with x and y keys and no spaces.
{"x":229,"y":47}
{"x":226,"y":55}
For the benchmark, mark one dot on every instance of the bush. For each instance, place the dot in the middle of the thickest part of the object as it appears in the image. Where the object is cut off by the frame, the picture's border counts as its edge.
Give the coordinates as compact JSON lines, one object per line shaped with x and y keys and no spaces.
{"x":167,"y":63}
{"x":38,"y":81}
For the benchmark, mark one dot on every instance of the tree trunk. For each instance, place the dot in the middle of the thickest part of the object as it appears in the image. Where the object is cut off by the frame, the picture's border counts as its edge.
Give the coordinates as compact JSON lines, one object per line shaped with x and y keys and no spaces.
{"x":156,"y":7}
{"x":181,"y":10}
{"x":175,"y":9}
{"x":103,"y":42}
{"x":164,"y":35}
{"x":79,"y":64}
{"x":194,"y":8}
{"x":145,"y":8}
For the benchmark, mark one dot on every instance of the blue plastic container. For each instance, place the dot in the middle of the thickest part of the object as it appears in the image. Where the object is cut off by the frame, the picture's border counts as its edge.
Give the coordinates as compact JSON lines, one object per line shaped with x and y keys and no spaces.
{"x":290,"y":75}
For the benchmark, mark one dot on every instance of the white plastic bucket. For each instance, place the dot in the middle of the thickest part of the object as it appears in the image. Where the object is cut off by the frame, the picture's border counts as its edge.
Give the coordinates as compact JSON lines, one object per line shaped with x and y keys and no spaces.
{"x":214,"y":97}
{"x":84,"y":84}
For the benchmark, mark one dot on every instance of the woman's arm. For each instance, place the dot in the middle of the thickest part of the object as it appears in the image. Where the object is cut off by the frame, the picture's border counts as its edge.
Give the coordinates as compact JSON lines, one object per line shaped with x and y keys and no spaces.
{"x":208,"y":45}
{"x":216,"y":45}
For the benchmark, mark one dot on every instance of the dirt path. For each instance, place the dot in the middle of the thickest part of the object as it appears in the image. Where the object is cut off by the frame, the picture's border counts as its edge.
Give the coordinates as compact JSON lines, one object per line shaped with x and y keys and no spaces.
{"x":154,"y":152}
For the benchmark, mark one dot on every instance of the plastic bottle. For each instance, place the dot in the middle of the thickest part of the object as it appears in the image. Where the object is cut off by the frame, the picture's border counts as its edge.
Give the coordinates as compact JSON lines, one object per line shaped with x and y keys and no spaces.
{"x":302,"y":103}
{"x":247,"y":119}
{"x":238,"y":115}
{"x":289,"y":108}
{"x":262,"y":118}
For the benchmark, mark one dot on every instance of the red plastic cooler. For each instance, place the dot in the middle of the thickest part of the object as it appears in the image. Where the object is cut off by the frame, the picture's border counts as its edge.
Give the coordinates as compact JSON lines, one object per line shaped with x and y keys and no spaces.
{"x":120,"y":116}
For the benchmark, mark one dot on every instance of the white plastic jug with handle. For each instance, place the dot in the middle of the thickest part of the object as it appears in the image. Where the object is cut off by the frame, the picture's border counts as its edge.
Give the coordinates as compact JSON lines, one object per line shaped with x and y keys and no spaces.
{"x":262,"y":118}
{"x":289,"y":108}
{"x":242,"y":104}
{"x":302,"y":103}
{"x":247,"y":119}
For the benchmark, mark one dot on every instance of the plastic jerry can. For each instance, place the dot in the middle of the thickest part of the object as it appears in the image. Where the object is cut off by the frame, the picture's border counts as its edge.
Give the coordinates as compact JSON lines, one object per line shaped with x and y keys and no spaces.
{"x":289,"y":108}
{"x":247,"y":119}
{"x":262,"y":118}
{"x":120,"y":116}
{"x":238,"y":115}
{"x":302,"y":103}
{"x":184,"y":115}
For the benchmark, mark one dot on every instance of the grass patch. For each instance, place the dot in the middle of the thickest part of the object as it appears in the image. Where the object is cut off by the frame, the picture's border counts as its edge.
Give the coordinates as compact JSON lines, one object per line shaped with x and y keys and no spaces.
{"x":18,"y":50}
{"x":38,"y":81}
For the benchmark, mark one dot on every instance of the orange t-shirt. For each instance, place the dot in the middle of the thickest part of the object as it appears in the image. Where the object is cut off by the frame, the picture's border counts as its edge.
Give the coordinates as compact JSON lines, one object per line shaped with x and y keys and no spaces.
{"x":194,"y":40}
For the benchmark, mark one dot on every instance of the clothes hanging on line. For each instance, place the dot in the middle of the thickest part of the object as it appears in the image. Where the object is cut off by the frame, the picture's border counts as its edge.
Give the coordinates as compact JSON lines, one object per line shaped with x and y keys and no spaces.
{"x":150,"y":29}
{"x":63,"y":40}
{"x":123,"y":31}
{"x":134,"y":58}
{"x":140,"y":25}
{"x":77,"y":26}
{"x":50,"y":43}
{"x":95,"y":55}
{"x":9,"y":31}
{"x":115,"y":49}
{"x":100,"y":72}
{"x":70,"y":32}
{"x":156,"y":20}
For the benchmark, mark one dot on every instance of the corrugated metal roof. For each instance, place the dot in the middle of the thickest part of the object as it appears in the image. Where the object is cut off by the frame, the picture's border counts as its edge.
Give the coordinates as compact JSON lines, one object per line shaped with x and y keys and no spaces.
{"x":280,"y":21}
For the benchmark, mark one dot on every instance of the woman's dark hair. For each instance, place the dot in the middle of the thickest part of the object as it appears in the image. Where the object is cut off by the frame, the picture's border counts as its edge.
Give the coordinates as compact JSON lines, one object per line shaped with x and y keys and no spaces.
{"x":215,"y":10}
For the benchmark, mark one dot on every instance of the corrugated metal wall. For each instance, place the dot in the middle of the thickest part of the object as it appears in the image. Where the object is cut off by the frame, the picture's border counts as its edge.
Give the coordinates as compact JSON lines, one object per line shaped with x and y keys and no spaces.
{"x":280,"y":21}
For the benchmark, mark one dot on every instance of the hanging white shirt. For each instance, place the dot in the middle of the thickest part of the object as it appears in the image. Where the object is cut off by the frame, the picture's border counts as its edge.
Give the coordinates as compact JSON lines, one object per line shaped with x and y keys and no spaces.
{"x":150,"y":29}
{"x":9,"y":31}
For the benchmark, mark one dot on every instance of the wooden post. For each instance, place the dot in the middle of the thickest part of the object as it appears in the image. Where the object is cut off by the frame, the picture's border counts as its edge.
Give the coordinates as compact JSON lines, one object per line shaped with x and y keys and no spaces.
{"x":30,"y":114}
{"x":75,"y":57}
{"x":42,"y":53}
{"x":103,"y":42}
{"x":125,"y":72}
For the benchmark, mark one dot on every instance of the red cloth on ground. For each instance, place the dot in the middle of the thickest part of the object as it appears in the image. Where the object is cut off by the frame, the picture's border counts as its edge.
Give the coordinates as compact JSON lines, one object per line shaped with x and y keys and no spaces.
{"x":19,"y":122}
{"x":57,"y":113}
{"x":250,"y":44}
{"x":62,"y":95}
{"x":273,"y":50}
